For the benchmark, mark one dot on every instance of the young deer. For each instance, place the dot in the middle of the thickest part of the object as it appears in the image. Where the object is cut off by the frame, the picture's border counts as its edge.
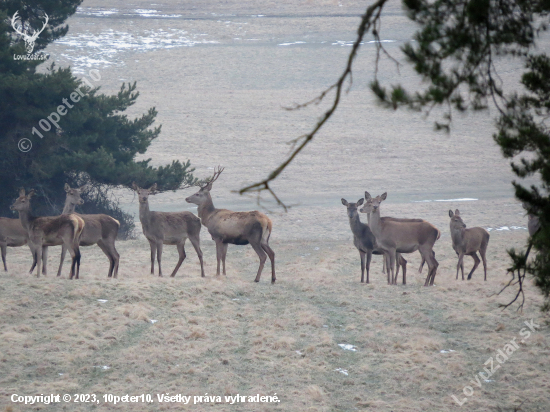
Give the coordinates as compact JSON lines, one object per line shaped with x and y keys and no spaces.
{"x":99,"y":229}
{"x":238,"y":228}
{"x":12,"y":234}
{"x":365,"y":242}
{"x":167,"y":228}
{"x":50,"y":231}
{"x":402,"y":236}
{"x":468,"y":242}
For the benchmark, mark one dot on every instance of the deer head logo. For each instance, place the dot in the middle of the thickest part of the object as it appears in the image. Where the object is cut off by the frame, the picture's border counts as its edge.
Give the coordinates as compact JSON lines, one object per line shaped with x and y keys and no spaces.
{"x":24,"y":32}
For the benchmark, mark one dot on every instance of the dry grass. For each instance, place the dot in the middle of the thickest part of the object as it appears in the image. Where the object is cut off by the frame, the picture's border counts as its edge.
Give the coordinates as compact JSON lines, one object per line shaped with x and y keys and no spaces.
{"x":228,"y":336}
{"x":221,"y":104}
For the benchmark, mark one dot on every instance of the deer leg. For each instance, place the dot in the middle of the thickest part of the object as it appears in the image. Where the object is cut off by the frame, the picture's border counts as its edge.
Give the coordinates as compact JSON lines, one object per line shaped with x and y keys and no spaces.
{"x":459,"y":264}
{"x":362,"y":256}
{"x":195,"y":241}
{"x":429,"y":256}
{"x":110,"y":246}
{"x":181,"y":252}
{"x":387,"y":261}
{"x":44,"y":260}
{"x":421,"y":265}
{"x":482,"y":253}
{"x":224,"y":247}
{"x":159,"y":256}
{"x":384,"y":265}
{"x":75,"y":264}
{"x":107,"y":252}
{"x":33,"y":252}
{"x":38,"y":252}
{"x":403,"y":263}
{"x":397,"y":259}
{"x":63,"y":253}
{"x":262,"y":255}
{"x":369,"y":258}
{"x":4,"y":248}
{"x":271,"y":255}
{"x":476,"y":264}
{"x":219,"y":246}
{"x":392,"y":254}
{"x":153,"y":254}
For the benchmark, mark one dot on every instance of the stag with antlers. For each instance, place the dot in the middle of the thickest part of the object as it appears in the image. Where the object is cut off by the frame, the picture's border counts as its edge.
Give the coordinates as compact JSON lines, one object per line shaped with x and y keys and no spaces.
{"x":24,"y":32}
{"x":238,"y":228}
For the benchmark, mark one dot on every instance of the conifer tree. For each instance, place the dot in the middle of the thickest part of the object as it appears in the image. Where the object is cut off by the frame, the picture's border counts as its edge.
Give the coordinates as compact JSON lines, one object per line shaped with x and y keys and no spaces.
{"x":93,"y":142}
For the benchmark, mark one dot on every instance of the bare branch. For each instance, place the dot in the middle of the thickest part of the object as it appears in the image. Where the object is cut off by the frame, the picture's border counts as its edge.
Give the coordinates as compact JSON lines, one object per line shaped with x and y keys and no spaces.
{"x":367,"y":22}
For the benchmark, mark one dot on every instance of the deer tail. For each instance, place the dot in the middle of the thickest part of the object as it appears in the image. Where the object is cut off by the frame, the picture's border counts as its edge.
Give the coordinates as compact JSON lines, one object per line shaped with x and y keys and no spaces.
{"x":266,"y":230}
{"x":78,"y":226}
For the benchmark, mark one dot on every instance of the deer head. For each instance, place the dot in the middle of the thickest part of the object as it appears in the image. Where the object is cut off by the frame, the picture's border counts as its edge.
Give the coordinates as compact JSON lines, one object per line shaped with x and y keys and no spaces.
{"x":73,"y":194}
{"x":373,"y":203}
{"x":23,"y":202}
{"x":143,"y":194}
{"x":22,"y":31}
{"x":456,"y":221}
{"x":352,"y":207}
{"x":204,"y":193}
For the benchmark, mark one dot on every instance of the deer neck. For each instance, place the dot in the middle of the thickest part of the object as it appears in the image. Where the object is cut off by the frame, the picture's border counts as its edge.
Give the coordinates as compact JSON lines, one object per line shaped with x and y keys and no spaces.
{"x":355,"y":224}
{"x":457,"y":234}
{"x":206,"y":209}
{"x":68,"y":208}
{"x":375,"y":222}
{"x":144,"y":213}
{"x":26,"y":218}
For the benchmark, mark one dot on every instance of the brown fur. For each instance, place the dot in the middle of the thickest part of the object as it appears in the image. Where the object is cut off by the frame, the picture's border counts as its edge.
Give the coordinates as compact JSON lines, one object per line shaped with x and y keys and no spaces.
{"x":12,"y":234}
{"x":403,"y":236}
{"x":238,"y":228}
{"x":365,"y":242}
{"x":468,"y":242}
{"x":99,"y":229}
{"x":50,"y":231}
{"x":163,"y":228}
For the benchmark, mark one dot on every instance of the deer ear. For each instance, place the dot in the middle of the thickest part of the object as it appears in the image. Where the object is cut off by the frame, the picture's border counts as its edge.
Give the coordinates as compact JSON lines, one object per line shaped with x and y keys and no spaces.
{"x":67,"y":187}
{"x":384,"y":195}
{"x":360,"y":202}
{"x":367,"y":195}
{"x":344,"y":202}
{"x":457,"y":212}
{"x":84,"y":188}
{"x":524,"y":205}
{"x":208,"y":186}
{"x":134,"y":186}
{"x":22,"y":191}
{"x":451,"y":214}
{"x":31,"y":194}
{"x":153,"y":188}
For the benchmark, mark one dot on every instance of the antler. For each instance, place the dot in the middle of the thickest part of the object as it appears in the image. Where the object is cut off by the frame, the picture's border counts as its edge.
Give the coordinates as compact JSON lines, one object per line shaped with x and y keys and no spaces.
{"x":217,"y":172}
{"x":13,"y":20}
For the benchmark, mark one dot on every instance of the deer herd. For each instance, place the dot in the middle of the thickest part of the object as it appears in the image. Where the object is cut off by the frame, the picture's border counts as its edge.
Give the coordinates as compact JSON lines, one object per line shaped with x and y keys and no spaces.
{"x":387,"y":236}
{"x":72,"y":230}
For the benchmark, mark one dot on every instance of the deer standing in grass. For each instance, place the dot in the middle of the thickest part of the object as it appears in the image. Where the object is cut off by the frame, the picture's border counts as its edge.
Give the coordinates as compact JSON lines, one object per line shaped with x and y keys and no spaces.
{"x":468,"y":242}
{"x":98,"y":229}
{"x":402,"y":236}
{"x":50,"y":231}
{"x":365,"y":242}
{"x":167,"y":228}
{"x":12,"y":234}
{"x":396,"y":219}
{"x":238,"y":228}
